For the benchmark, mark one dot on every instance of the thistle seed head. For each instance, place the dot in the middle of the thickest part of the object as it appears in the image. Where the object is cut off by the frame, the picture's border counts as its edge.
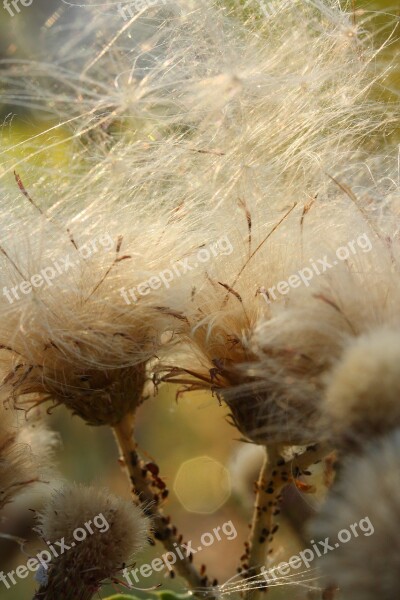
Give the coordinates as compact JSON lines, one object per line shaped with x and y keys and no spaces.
{"x":77,"y":329}
{"x":119,"y":531}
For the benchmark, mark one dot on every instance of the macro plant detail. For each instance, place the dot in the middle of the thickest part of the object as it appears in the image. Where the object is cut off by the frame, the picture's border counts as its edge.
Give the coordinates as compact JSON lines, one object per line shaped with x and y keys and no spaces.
{"x":201,"y":228}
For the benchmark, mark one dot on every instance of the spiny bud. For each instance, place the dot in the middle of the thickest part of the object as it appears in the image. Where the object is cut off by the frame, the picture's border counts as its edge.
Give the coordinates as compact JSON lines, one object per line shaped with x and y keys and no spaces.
{"x":115,"y":530}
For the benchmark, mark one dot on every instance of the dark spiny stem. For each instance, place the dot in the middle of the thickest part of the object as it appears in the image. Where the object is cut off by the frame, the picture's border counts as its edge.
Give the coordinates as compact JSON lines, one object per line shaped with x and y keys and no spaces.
{"x":275,"y":475}
{"x":150,"y":500}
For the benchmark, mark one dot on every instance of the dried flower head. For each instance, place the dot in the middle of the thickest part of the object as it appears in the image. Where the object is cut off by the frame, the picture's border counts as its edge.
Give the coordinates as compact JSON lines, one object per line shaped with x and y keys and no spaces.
{"x":367,"y":496}
{"x":117,"y":530}
{"x":74,"y":331}
{"x":227,"y":307}
{"x":220,"y":318}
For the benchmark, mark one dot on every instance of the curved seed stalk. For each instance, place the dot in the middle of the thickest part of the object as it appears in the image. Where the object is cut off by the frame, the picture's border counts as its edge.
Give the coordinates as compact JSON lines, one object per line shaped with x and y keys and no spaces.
{"x":149,"y":501}
{"x":275,"y":475}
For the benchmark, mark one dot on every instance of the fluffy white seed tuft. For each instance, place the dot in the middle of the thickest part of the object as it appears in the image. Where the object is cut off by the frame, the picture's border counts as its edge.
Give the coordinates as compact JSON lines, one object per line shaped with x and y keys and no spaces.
{"x":362,"y":399}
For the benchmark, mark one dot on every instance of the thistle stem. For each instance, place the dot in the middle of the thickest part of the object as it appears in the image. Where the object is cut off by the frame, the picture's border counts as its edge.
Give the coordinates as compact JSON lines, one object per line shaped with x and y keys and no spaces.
{"x":275,"y":475}
{"x":149,"y":500}
{"x":261,"y":526}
